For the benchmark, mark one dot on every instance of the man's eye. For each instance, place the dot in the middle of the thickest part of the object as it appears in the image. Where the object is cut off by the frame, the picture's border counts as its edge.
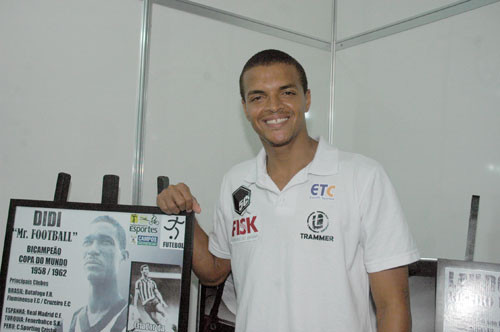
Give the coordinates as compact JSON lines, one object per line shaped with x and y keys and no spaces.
{"x":289,"y":93}
{"x":107,"y":242}
{"x":256,"y":98}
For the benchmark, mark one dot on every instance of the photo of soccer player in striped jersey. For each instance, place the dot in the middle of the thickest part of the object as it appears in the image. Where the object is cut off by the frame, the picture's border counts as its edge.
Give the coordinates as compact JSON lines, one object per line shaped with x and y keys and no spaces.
{"x":156,"y":292}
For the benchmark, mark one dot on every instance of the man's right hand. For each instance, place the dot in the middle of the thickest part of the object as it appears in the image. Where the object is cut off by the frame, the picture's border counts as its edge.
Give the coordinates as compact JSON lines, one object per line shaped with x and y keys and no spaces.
{"x":210,"y":270}
{"x":177,"y":198}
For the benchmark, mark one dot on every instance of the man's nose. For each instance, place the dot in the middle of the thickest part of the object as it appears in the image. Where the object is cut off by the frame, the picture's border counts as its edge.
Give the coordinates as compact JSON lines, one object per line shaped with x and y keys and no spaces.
{"x":93,"y":247}
{"x":274,"y":103}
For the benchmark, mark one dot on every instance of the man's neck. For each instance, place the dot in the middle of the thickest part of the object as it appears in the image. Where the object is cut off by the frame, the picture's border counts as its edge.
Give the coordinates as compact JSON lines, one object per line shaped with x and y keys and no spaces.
{"x":102,"y":297}
{"x":285,"y":161}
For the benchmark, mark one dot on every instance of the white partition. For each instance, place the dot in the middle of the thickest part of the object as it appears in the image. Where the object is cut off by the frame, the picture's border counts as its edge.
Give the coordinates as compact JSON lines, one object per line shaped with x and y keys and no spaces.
{"x":68,"y":96}
{"x":359,"y":16}
{"x":425,"y":104}
{"x":195,"y":126}
{"x":313,"y":18}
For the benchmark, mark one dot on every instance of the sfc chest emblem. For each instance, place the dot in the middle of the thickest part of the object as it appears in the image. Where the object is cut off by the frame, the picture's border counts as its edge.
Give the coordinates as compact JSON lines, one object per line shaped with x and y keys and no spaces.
{"x":241,"y":199}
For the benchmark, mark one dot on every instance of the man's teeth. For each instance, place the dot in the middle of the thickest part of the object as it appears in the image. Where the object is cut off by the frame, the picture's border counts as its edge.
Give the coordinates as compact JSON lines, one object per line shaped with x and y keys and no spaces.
{"x":276,"y":121}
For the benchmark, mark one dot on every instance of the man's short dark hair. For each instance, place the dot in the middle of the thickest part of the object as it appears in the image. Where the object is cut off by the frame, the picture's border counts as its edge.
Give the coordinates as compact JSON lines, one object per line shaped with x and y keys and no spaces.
{"x":120,"y":232}
{"x":270,"y":57}
{"x":143,"y":266}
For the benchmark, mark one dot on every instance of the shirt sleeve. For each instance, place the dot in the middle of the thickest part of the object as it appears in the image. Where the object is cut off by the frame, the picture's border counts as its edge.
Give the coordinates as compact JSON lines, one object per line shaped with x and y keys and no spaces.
{"x":386,"y":237}
{"x":218,"y":242}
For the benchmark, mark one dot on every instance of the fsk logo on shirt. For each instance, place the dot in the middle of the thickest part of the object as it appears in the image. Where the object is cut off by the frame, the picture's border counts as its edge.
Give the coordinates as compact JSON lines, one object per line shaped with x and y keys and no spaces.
{"x":244,"y":226}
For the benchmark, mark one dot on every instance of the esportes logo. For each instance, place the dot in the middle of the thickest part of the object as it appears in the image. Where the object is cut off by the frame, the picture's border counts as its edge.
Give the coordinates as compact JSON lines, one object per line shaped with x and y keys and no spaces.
{"x":144,"y":224}
{"x":144,"y":219}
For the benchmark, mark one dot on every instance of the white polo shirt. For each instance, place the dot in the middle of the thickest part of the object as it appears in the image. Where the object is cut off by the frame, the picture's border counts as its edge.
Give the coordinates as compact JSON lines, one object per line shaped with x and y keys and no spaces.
{"x":301,"y":256}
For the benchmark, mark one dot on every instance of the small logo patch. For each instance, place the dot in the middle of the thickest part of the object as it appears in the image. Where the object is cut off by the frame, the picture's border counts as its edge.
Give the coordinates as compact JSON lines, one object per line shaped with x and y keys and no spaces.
{"x":143,"y":224}
{"x":143,"y":219}
{"x":241,"y":199}
{"x":323,"y":191}
{"x":317,"y":222}
{"x":147,"y":240}
{"x":172,"y":232}
{"x":245,"y":229}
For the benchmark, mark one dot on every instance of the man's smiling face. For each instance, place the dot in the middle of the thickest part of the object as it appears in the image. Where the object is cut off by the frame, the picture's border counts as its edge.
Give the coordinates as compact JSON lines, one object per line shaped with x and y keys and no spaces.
{"x":275,"y":103}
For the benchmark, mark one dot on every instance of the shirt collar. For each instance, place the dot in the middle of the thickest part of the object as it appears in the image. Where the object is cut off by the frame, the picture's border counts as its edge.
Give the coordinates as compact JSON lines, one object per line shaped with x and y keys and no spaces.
{"x":326,"y":159}
{"x":325,"y":162}
{"x":258,"y":168}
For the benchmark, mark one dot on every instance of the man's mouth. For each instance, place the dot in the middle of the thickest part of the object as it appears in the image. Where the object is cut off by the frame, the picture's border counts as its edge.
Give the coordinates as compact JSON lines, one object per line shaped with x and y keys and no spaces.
{"x":92,"y":262}
{"x":276,"y":121}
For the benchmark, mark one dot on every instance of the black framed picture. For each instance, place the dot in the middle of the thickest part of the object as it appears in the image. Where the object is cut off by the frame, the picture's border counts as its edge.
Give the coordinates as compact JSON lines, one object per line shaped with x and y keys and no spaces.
{"x":467,"y":296}
{"x":422,"y":283}
{"x":81,"y":267}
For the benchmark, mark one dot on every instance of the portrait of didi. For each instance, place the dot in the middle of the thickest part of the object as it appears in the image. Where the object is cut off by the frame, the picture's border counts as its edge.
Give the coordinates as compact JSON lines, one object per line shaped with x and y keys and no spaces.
{"x":103,"y":250}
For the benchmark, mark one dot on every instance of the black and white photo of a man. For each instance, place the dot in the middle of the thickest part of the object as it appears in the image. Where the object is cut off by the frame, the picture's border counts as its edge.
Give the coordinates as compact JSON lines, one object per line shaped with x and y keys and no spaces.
{"x":104,"y":249}
{"x":152,"y":286}
{"x":151,"y":299}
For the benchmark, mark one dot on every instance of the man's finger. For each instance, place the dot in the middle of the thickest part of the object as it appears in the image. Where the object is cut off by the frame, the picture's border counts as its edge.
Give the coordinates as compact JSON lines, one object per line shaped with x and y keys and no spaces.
{"x":161,"y":201}
{"x":168,"y":201}
{"x":187,"y":196}
{"x":196,"y":206}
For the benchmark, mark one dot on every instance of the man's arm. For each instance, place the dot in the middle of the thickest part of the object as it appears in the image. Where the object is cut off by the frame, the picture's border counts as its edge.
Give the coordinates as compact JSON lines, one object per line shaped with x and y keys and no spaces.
{"x":392,"y":299}
{"x":211,"y":270}
{"x":136,"y":294}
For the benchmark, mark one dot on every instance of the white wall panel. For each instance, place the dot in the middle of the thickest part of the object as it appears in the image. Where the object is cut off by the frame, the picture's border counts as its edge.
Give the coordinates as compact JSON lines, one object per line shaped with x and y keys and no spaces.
{"x":425,"y":104}
{"x":68,"y":91}
{"x":358,"y":16}
{"x":312,"y":18}
{"x":195,"y":128}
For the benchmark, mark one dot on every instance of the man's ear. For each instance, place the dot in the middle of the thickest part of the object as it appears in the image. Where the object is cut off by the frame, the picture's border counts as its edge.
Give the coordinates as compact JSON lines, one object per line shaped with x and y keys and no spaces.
{"x":124,"y":254}
{"x":308,"y":99}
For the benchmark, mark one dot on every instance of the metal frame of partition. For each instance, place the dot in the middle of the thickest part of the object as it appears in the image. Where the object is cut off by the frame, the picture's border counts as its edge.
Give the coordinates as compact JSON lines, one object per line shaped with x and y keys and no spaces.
{"x":333,"y":52}
{"x":333,"y":45}
{"x":138,"y":167}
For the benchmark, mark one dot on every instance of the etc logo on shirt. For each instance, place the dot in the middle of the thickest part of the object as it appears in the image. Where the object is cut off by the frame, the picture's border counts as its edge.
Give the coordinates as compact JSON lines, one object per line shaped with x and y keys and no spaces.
{"x":323,"y":191}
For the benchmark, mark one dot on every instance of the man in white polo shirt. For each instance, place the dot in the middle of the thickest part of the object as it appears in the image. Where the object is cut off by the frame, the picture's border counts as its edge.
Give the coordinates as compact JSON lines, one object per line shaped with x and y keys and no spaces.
{"x":307,"y":230}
